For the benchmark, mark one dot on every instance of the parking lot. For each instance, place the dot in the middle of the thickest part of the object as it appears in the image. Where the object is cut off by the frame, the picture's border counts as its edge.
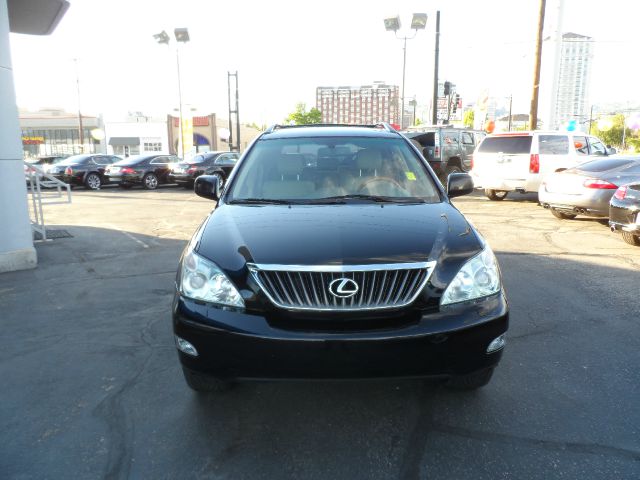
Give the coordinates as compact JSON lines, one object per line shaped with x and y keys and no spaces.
{"x":92,"y":387}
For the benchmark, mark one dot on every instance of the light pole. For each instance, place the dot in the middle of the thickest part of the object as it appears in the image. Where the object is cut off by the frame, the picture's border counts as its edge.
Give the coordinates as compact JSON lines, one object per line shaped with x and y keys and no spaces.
{"x":182,"y":36}
{"x":418,"y":22}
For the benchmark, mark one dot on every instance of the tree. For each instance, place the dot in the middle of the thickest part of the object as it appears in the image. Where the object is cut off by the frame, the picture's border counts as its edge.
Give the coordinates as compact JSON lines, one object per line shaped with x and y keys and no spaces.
{"x":468,"y":119}
{"x":302,"y":117}
{"x":613,"y":135}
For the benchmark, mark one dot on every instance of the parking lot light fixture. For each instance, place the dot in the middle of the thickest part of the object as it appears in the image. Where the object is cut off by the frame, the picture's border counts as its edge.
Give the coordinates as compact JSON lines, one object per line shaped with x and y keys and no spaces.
{"x":392,"y":24}
{"x":182,"y":35}
{"x":419,"y":21}
{"x":162,"y":38}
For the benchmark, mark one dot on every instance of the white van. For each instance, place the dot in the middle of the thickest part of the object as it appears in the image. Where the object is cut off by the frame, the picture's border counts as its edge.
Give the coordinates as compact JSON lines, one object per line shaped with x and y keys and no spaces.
{"x":517,"y":161}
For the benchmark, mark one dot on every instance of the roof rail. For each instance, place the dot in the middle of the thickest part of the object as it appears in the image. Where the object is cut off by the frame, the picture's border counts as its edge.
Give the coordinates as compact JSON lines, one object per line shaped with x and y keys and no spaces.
{"x":384,"y":125}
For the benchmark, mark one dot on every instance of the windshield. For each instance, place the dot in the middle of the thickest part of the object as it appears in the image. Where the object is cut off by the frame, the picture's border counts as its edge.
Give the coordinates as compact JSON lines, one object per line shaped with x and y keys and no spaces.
{"x":317,"y":170}
{"x":604,"y":165}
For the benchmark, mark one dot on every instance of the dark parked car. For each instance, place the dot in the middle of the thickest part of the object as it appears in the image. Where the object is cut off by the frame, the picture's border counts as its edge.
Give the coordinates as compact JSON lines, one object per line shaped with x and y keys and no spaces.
{"x":146,"y":170}
{"x":185,"y":173}
{"x":447,"y":149}
{"x":587,"y":188}
{"x":624,"y":213}
{"x":350,"y":266}
{"x":87,"y":170}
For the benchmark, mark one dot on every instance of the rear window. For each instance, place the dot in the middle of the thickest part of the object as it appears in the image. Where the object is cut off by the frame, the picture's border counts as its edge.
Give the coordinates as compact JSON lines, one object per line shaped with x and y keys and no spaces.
{"x":603,"y":165}
{"x":509,"y":145}
{"x":553,"y":145}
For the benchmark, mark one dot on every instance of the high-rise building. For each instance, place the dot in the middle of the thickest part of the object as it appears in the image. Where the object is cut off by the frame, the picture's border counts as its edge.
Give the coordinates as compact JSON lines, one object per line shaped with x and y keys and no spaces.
{"x":365,"y":104}
{"x":571,"y":78}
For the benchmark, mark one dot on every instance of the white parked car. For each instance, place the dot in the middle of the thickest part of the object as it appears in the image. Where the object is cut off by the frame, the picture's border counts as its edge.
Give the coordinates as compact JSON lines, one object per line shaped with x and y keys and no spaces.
{"x":517,"y":161}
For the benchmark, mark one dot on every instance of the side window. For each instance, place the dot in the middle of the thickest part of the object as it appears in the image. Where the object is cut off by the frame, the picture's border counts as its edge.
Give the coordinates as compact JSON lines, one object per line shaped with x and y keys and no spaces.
{"x":171,"y":159}
{"x":580,"y":144}
{"x":553,"y":144}
{"x":467,"y":138}
{"x":159,"y":160}
{"x":597,"y":148}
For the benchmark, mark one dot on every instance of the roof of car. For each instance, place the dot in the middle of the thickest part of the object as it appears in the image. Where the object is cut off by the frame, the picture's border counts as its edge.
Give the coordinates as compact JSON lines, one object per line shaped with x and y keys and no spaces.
{"x":319,"y":130}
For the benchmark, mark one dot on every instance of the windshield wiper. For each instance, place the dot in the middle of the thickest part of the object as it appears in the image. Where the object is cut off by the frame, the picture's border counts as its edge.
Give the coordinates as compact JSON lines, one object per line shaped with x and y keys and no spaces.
{"x":372,"y":198}
{"x":260,"y":201}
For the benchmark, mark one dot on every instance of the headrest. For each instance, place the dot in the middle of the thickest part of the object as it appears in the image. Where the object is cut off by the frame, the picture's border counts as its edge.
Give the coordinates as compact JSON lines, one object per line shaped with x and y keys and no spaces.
{"x":369,"y":159}
{"x":290,"y":164}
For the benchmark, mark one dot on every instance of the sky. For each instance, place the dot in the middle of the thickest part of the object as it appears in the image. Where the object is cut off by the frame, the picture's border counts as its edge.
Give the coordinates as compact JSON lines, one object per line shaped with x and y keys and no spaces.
{"x":283,"y":50}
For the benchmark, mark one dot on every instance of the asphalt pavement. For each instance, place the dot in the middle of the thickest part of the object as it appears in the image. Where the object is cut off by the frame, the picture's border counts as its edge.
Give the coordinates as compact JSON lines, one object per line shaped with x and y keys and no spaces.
{"x":92,"y":388}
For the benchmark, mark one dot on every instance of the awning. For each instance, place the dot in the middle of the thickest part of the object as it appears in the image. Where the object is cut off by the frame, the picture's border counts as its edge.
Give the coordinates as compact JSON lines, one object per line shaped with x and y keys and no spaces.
{"x":124,"y":141}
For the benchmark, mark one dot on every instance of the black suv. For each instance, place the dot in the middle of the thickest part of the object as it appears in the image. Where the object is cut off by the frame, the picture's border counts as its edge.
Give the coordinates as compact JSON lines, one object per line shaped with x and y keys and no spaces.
{"x":447,"y":149}
{"x":334,"y":252}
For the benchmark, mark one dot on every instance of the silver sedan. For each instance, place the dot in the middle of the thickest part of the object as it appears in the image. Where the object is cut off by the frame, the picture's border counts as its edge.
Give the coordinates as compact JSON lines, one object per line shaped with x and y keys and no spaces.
{"x":587,"y":188}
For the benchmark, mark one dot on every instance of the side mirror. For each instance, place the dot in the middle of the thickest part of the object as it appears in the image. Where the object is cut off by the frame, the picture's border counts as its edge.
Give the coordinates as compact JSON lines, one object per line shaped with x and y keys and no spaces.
{"x":208,"y":186}
{"x":459,"y":184}
{"x":611,"y":150}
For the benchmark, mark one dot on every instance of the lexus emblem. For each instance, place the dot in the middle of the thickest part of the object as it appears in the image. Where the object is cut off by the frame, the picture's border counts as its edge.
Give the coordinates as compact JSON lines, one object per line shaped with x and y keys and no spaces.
{"x":343,"y":288}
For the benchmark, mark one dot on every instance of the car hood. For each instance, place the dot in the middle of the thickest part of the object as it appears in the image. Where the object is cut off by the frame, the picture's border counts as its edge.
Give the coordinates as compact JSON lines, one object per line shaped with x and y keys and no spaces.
{"x":338,"y":235}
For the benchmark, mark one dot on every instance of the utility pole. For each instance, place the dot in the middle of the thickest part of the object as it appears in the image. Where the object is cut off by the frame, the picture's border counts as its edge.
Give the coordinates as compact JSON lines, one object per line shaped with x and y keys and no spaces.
{"x":80,"y":127}
{"x":235,"y":112}
{"x":533,"y":113}
{"x":510,"y":109}
{"x":590,"y":119}
{"x":434,"y":107}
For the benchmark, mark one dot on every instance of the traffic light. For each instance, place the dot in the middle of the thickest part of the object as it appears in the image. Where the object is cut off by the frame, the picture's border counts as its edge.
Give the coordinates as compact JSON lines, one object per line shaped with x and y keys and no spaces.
{"x":447,"y":88}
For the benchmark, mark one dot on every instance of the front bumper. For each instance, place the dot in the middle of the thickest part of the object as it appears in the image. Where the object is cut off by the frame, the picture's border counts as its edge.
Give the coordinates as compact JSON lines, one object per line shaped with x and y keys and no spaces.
{"x":452,"y":341}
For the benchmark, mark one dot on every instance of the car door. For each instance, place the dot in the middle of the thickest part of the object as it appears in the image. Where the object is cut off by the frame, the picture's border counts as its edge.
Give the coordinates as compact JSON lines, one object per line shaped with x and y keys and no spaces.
{"x":101,"y":164}
{"x":467,"y":146}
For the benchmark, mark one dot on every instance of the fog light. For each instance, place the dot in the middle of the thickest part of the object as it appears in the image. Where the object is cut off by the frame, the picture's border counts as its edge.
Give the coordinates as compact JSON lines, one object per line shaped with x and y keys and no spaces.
{"x":187,"y":348}
{"x":497,"y":344}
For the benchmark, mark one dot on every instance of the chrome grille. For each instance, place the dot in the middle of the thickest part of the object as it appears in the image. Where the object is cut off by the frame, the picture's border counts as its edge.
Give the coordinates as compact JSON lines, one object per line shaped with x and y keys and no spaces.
{"x":304,"y":287}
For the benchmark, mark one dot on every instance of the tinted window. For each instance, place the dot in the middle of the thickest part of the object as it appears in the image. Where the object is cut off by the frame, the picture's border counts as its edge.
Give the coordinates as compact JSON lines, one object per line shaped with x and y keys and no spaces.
{"x":597,"y":148}
{"x":75,"y":160}
{"x":603,"y":165}
{"x":580,"y":144}
{"x":196,"y":160}
{"x":159,"y":160}
{"x":553,"y":144}
{"x":344,"y":166}
{"x":467,"y":138}
{"x":509,"y":145}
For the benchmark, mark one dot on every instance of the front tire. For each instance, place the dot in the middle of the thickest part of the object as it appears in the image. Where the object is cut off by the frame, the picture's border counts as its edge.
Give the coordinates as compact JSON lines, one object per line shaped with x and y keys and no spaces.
{"x":561,"y":215}
{"x":150,"y":181}
{"x":471,"y":381}
{"x":93,"y":181}
{"x":631,"y":238}
{"x":495,"y":195}
{"x":203,"y":383}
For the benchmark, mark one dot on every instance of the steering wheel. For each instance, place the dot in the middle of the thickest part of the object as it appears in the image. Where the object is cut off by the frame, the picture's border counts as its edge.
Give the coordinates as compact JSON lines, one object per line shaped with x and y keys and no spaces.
{"x":381,"y":179}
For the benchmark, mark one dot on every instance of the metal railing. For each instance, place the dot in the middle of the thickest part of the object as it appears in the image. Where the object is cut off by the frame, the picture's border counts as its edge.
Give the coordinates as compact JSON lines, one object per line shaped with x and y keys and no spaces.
{"x":44,"y":189}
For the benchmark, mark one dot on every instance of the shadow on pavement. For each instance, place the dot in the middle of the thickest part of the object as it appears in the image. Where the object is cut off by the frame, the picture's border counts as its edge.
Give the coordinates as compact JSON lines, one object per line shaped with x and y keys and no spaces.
{"x":92,"y":386}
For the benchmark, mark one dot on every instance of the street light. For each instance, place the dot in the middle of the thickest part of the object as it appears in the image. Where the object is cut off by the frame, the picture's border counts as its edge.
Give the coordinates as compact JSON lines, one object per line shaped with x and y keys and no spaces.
{"x":182,"y":36}
{"x":392,"y":24}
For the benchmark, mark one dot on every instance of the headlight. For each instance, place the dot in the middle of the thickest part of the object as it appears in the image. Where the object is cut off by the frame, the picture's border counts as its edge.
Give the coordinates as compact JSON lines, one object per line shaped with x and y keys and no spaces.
{"x":477,"y":278}
{"x":201,"y":279}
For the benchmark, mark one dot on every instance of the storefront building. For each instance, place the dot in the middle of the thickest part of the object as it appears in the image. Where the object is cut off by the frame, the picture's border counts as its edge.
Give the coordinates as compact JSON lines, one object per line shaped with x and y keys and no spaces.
{"x":50,"y":132}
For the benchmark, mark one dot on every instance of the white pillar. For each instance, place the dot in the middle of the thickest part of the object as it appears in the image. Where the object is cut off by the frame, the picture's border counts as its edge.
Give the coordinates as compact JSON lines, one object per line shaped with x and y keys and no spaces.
{"x":16,"y":239}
